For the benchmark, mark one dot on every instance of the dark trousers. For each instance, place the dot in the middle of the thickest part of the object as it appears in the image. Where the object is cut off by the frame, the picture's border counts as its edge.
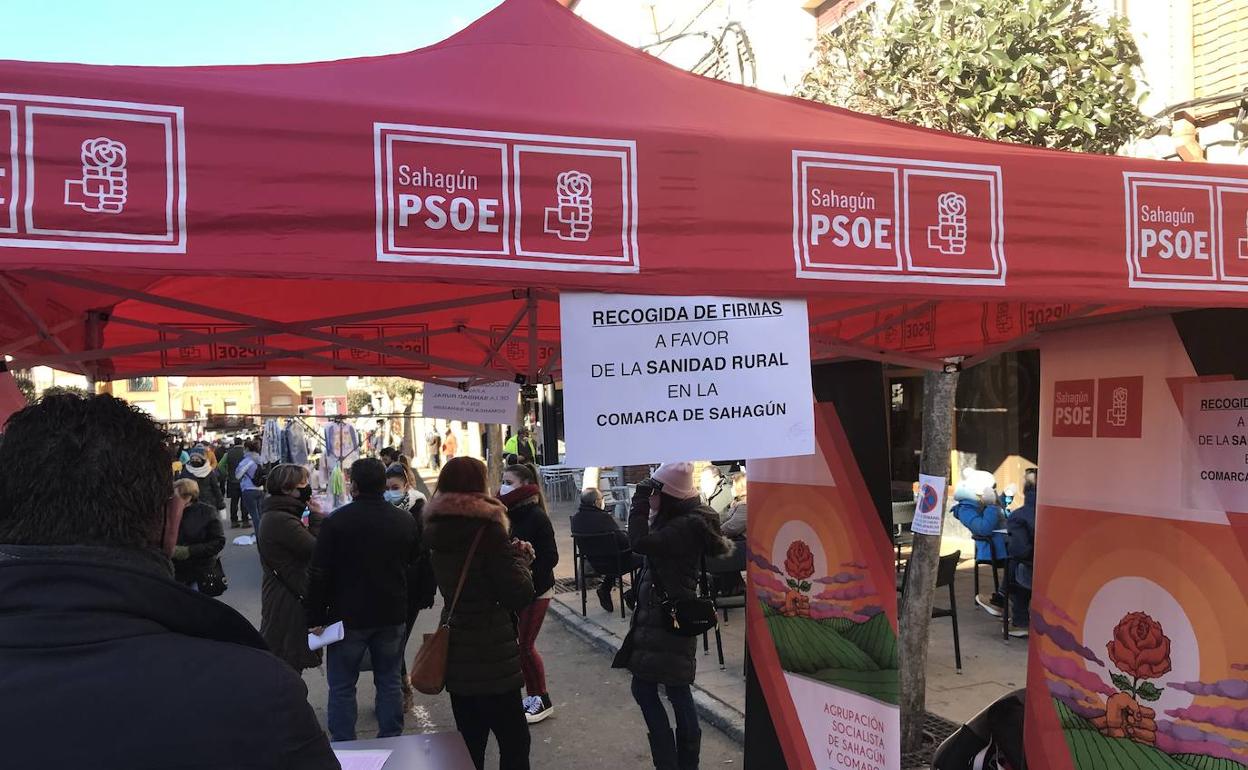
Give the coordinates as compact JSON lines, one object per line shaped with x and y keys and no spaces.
{"x":476,"y":716}
{"x":629,"y":560}
{"x":681,"y":696}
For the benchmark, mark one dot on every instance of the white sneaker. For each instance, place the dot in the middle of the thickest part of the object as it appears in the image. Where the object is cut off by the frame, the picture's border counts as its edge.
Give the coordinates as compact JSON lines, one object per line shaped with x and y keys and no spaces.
{"x":536,"y":710}
{"x":989,"y":606}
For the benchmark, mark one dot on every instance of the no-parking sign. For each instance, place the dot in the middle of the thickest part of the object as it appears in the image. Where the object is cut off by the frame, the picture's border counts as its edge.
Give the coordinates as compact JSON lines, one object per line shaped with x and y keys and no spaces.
{"x":929,"y":510}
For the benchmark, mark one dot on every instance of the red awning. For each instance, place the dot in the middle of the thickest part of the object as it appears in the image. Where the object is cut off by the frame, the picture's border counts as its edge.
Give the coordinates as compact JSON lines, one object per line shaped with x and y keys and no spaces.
{"x":419,"y":213}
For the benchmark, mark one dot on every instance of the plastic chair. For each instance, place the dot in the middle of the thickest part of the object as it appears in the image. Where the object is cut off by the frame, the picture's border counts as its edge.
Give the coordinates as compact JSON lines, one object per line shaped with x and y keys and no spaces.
{"x":732,"y":564}
{"x":603,"y":548}
{"x":946,"y":572}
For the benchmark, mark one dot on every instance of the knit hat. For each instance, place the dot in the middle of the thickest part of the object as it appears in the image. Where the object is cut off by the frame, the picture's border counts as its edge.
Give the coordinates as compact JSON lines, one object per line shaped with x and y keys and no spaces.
{"x":200,"y":450}
{"x":677,"y":480}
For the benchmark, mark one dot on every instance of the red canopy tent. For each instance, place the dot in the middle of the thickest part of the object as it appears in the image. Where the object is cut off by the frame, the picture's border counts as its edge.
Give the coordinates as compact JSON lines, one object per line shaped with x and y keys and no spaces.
{"x":420,"y":213}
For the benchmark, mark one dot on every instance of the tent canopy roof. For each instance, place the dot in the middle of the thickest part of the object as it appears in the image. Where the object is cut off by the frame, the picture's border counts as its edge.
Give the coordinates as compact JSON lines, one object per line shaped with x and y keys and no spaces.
{"x":419,"y":213}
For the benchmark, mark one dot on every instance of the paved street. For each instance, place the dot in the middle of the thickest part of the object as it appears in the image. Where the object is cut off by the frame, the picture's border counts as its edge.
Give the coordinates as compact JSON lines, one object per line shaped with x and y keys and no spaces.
{"x":595,"y":724}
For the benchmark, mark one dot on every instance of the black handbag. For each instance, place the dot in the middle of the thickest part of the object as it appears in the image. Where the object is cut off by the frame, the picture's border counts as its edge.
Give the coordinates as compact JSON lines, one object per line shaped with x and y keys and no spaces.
{"x":214,"y":582}
{"x":693,"y":616}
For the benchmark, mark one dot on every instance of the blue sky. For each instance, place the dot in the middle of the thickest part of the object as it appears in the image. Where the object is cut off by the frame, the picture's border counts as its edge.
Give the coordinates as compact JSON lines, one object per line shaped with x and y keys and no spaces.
{"x":172,"y":32}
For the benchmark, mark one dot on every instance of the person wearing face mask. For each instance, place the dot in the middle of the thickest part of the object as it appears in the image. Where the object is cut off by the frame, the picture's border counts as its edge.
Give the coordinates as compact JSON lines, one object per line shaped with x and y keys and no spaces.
{"x":88,"y":597}
{"x":592,"y":519}
{"x":421,"y":583}
{"x":285,"y":546}
{"x":359,"y":576}
{"x":526,"y":508}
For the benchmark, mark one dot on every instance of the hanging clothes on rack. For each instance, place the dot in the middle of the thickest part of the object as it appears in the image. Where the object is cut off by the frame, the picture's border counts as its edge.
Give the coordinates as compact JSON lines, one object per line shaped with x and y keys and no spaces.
{"x":342,"y":443}
{"x":295,"y":442}
{"x":271,"y":443}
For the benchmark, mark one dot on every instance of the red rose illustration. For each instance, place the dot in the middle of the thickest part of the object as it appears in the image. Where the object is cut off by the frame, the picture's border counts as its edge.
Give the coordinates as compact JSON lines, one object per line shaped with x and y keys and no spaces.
{"x":1140,"y":648}
{"x":799,"y":562}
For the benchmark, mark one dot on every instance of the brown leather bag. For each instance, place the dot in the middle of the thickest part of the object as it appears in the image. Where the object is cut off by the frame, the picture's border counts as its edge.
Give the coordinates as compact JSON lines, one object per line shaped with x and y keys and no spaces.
{"x":429,"y":666}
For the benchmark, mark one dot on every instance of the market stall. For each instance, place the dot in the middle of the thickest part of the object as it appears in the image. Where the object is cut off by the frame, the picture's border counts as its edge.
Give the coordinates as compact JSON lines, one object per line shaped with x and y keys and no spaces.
{"x":421,"y":215}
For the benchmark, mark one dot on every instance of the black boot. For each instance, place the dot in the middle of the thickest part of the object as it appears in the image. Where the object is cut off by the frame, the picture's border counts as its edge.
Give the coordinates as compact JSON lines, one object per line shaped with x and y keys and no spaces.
{"x":663,"y":750}
{"x":688,"y":748}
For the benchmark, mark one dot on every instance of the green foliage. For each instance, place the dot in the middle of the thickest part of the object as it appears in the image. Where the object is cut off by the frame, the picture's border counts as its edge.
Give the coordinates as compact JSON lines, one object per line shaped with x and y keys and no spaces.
{"x":1121,"y":682}
{"x":1039,"y":72}
{"x":25,"y":385}
{"x":358,"y":401}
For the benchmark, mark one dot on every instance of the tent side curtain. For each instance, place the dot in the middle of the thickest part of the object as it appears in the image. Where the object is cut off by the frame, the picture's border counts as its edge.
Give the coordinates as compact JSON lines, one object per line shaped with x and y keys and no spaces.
{"x":533,"y":152}
{"x":439,"y":332}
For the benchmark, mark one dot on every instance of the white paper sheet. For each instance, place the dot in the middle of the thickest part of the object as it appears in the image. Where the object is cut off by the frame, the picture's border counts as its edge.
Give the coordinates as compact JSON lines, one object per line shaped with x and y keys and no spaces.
{"x":362,"y":759}
{"x":332,"y":633}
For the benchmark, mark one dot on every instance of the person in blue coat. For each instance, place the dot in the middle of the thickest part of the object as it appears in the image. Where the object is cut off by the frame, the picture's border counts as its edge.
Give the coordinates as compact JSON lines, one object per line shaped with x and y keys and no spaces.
{"x":978,"y":508}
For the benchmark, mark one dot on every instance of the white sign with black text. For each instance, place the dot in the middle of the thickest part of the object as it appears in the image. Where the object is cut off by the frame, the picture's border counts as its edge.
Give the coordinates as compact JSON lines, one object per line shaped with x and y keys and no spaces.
{"x":1215,"y":464}
{"x":929,"y":508}
{"x":489,"y":403}
{"x":658,"y":379}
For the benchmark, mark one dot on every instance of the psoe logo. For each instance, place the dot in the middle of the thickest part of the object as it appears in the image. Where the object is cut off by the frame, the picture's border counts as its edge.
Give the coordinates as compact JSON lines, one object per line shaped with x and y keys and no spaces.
{"x":102,"y":187}
{"x":1111,"y":407}
{"x":573,"y":218}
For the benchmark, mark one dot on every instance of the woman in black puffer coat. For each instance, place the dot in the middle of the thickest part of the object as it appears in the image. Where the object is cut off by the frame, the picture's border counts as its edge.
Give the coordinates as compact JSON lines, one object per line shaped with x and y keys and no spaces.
{"x":671,"y":527}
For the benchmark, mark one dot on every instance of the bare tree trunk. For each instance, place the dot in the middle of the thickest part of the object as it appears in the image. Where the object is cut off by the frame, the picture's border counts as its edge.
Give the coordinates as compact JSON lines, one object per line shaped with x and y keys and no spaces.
{"x":939,"y":390}
{"x":409,"y":431}
{"x":494,"y":456}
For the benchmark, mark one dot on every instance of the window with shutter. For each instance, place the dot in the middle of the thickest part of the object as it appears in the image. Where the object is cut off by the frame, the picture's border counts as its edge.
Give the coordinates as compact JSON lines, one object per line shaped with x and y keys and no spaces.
{"x":1219,"y":46}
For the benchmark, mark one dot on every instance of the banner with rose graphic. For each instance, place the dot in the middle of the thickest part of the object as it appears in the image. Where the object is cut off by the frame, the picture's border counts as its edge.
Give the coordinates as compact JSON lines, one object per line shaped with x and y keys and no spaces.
{"x":822,"y":616}
{"x":1139,"y":623}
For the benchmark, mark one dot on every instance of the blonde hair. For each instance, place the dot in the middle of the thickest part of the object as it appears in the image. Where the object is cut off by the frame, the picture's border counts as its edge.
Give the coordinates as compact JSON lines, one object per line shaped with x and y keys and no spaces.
{"x":187,"y":488}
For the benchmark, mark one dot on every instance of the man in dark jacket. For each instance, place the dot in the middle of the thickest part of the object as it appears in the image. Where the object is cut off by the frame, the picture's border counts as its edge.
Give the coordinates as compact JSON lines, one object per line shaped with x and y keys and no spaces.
{"x":359,"y":576}
{"x":233,"y":491}
{"x":610,"y":558}
{"x":108,"y":662}
{"x":1021,"y":533}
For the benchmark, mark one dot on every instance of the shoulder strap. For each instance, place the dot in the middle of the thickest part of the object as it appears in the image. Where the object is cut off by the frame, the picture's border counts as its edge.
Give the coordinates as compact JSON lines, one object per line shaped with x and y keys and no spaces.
{"x":463,"y":573}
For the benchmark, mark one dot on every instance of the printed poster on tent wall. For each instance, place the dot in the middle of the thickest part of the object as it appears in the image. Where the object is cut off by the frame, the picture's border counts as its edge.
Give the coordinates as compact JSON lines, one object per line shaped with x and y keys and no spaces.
{"x":822,"y":620}
{"x":1139,"y":623}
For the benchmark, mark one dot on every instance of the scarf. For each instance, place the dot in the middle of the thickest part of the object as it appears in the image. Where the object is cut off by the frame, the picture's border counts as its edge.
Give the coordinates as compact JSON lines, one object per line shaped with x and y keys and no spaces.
{"x":521,"y":494}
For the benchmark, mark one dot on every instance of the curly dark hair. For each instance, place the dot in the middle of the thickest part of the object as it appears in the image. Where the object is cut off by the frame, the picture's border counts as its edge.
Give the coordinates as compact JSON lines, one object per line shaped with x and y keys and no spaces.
{"x":83,"y":470}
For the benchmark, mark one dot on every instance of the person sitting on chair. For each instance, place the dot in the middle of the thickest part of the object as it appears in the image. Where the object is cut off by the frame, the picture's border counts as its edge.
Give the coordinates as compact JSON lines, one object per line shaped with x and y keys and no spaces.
{"x":1021,"y":526}
{"x":733,"y":520}
{"x":978,"y":510}
{"x":591,"y":519}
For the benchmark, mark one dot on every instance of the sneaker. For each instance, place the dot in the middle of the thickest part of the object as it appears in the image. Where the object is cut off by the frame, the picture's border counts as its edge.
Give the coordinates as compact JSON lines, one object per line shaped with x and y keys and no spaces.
{"x":991,"y":605}
{"x":537,"y":708}
{"x":604,"y":598}
{"x":1019,"y":632}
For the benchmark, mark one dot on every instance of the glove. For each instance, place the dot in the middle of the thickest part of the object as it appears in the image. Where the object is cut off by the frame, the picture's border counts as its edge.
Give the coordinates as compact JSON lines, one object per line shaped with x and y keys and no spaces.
{"x":181,"y":553}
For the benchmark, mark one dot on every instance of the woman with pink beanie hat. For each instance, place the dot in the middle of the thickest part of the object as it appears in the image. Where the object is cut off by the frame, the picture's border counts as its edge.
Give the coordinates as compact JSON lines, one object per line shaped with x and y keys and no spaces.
{"x":673,"y":529}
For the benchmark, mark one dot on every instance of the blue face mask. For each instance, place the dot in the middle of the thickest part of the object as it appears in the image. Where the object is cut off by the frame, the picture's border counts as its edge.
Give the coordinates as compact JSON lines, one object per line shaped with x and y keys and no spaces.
{"x":395,"y":496}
